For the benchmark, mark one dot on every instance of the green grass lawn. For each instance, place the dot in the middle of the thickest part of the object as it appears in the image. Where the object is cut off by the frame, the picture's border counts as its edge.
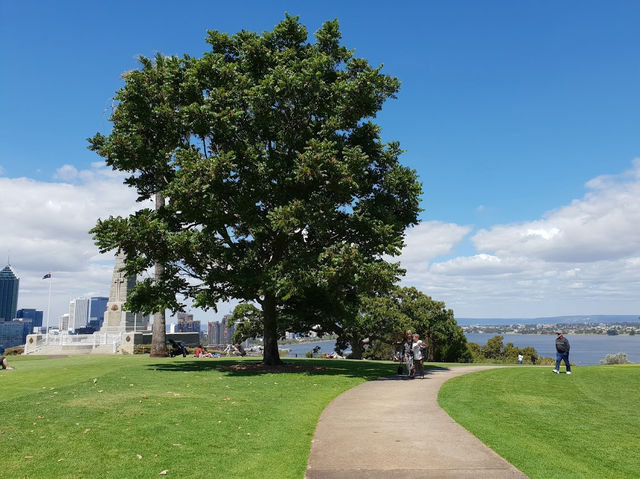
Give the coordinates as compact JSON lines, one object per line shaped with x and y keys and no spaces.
{"x":196,"y":418}
{"x":554,"y":426}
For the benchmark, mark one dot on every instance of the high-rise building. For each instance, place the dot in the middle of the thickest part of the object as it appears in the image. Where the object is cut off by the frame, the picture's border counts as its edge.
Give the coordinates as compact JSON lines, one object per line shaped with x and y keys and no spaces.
{"x":228,"y":333}
{"x":214,"y":332}
{"x":78,"y":313}
{"x":33,"y":314}
{"x":11,"y":334}
{"x":219,"y":333}
{"x":9,"y":284}
{"x":97,"y":308}
{"x":186,"y":324}
{"x":184,"y":316}
{"x":64,"y":322}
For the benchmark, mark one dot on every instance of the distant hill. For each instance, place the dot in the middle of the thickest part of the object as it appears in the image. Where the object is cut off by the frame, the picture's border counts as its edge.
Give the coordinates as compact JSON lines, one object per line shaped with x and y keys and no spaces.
{"x":588,"y":319}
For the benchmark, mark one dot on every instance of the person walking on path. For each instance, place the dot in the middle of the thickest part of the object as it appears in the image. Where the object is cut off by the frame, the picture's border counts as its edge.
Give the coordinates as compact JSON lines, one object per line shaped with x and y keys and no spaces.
{"x":418,"y":348}
{"x":520,"y":358}
{"x":562,"y":352}
{"x":407,"y":352}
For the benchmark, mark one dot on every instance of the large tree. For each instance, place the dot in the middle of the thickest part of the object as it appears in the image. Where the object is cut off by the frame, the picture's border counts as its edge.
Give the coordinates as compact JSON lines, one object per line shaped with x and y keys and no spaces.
{"x":279,"y":189}
{"x":145,"y":136}
{"x":381,"y":320}
{"x":435,"y":323}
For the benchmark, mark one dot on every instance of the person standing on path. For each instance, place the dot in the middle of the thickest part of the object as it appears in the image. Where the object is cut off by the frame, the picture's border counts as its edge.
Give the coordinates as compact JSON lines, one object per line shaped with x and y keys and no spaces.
{"x":418,"y":348}
{"x":520,"y":358}
{"x":562,"y":352}
{"x":407,"y":352}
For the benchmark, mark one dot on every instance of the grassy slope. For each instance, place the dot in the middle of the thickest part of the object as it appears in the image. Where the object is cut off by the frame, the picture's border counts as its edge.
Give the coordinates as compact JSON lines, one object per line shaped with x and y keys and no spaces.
{"x":554,"y":426}
{"x":184,"y":415}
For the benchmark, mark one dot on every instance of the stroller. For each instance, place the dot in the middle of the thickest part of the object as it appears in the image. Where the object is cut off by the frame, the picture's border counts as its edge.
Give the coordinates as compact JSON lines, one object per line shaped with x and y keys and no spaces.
{"x":176,"y":348}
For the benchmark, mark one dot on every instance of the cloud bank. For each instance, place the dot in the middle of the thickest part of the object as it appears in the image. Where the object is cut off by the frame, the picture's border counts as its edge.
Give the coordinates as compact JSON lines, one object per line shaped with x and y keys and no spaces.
{"x":47,"y":229}
{"x":581,"y":258}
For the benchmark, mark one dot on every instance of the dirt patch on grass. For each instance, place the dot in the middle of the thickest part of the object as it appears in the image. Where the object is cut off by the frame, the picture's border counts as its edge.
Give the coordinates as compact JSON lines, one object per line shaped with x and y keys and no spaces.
{"x":263,"y":368}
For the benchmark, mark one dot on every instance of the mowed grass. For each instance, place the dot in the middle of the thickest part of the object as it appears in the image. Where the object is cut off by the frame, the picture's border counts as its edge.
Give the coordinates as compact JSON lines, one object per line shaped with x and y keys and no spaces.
{"x":554,"y":426}
{"x":191,"y":417}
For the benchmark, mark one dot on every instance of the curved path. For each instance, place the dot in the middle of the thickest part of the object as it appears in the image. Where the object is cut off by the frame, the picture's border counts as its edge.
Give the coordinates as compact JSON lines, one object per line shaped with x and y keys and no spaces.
{"x":393,"y":428}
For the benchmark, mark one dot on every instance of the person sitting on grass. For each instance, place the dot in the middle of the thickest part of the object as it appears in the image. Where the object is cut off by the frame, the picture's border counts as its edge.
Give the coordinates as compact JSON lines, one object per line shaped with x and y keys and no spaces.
{"x":3,"y":362}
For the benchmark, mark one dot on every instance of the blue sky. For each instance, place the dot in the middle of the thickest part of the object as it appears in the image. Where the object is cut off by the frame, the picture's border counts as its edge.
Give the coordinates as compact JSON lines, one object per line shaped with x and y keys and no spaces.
{"x":511,"y":112}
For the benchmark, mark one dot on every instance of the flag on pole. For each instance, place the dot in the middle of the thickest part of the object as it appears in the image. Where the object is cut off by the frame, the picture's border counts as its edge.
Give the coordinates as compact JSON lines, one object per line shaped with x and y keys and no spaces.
{"x":48,"y":275}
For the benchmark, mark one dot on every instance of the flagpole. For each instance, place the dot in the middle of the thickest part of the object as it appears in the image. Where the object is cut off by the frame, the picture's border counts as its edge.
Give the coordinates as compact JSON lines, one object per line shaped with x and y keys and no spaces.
{"x":49,"y":306}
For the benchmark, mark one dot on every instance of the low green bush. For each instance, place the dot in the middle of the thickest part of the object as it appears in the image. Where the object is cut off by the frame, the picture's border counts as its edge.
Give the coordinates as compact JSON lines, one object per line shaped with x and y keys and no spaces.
{"x":619,"y":358}
{"x":15,"y":351}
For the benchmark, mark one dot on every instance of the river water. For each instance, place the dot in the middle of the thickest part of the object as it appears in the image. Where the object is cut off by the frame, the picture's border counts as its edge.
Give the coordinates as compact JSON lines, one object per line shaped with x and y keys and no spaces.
{"x":586,"y":349}
{"x":299,"y":350}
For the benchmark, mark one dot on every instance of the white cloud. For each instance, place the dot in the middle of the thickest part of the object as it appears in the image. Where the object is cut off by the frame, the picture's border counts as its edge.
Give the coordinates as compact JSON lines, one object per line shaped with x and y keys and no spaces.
{"x":66,"y":172}
{"x":581,"y":258}
{"x":480,"y":264}
{"x":47,"y":229}
{"x":600,"y":226}
{"x":431,"y":239}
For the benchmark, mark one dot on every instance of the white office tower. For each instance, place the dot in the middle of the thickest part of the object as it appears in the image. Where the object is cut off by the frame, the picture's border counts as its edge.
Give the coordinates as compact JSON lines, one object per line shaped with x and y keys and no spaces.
{"x":64,"y":322}
{"x":78,"y":313}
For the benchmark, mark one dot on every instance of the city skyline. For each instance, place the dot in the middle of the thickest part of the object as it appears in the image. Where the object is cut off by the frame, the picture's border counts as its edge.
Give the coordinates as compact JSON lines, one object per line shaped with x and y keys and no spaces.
{"x":519,"y":117}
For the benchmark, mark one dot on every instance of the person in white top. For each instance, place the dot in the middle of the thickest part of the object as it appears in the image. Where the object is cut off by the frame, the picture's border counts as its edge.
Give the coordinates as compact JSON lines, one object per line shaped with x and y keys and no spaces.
{"x":419,"y":349}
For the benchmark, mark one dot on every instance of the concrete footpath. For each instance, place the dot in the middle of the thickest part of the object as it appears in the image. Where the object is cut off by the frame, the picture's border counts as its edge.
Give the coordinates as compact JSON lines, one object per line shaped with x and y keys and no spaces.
{"x":393,"y":428}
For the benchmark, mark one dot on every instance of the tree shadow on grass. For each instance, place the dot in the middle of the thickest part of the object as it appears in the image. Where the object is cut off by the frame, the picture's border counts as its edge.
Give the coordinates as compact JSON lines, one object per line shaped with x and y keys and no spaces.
{"x":367,"y":370}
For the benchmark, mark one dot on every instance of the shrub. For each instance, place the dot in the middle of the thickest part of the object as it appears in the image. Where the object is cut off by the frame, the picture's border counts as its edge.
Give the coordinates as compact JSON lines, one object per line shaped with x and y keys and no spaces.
{"x":546,"y":361}
{"x":142,"y":349}
{"x":496,"y":352}
{"x":15,"y":351}
{"x":619,"y":358}
{"x":379,"y":350}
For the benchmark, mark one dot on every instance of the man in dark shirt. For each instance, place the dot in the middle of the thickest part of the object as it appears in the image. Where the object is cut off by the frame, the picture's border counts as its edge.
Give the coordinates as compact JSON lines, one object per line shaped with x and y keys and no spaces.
{"x":562,"y":352}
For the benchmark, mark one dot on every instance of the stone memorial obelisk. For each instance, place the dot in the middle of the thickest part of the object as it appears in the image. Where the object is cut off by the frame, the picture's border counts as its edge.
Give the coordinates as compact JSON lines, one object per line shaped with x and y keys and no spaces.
{"x":116,"y":318}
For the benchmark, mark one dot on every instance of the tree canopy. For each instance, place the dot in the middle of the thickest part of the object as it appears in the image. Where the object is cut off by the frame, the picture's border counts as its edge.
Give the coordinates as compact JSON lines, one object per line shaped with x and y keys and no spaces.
{"x":382,"y":321}
{"x":279,"y":189}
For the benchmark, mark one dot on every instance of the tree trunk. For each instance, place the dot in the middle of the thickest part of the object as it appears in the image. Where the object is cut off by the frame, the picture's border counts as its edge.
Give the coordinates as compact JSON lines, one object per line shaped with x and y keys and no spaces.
{"x":159,"y":333}
{"x":430,"y":347}
{"x":356,"y":348}
{"x":159,"y":336}
{"x":270,"y":315}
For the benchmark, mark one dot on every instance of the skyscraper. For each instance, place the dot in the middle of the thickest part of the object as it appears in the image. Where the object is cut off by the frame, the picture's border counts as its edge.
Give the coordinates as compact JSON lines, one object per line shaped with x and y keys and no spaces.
{"x":11,"y":334}
{"x":64,"y":322}
{"x":214,"y":332}
{"x":33,"y":314}
{"x":97,"y":308}
{"x":9,"y":283}
{"x":186,"y":324}
{"x":78,"y":313}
